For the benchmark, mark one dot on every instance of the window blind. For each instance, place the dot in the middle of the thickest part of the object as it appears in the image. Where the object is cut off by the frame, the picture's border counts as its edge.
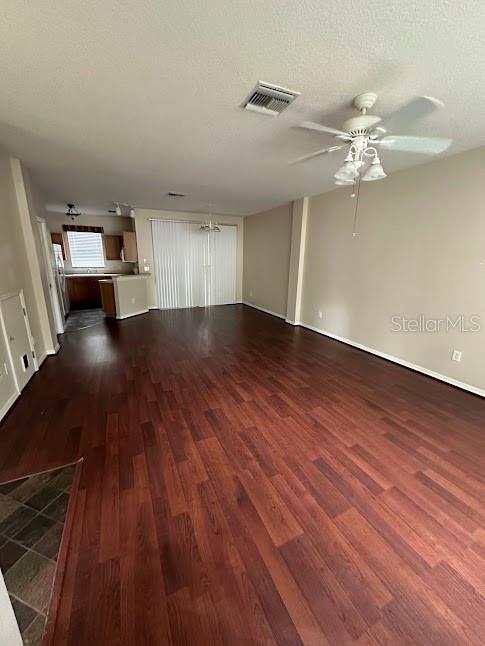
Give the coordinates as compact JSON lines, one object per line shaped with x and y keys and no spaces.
{"x":86,"y":249}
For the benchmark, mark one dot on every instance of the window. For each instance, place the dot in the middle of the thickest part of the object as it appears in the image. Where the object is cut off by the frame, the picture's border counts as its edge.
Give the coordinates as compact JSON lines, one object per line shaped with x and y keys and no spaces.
{"x":86,"y":249}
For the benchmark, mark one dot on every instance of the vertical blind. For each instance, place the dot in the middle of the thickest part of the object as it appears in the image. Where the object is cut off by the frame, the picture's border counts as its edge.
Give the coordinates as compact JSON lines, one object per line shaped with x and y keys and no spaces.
{"x":192,"y":267}
{"x":86,"y":249}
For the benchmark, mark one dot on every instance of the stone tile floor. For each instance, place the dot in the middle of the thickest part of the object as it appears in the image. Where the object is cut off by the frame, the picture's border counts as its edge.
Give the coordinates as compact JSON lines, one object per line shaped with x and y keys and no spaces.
{"x":32,"y":514}
{"x":80,"y":319}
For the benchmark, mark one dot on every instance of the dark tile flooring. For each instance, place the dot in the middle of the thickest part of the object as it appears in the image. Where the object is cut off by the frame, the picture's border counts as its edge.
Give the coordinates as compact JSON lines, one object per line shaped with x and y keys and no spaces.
{"x":80,"y":319}
{"x":32,"y":514}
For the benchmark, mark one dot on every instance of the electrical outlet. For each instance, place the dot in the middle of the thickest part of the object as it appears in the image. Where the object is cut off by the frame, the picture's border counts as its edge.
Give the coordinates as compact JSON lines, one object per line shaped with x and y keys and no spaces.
{"x":133,"y":300}
{"x":146,"y":268}
{"x":250,"y":293}
{"x":320,"y":315}
{"x":456,"y":355}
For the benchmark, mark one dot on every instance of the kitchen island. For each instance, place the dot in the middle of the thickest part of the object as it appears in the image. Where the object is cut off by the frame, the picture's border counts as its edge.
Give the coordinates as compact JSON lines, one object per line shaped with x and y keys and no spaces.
{"x":124,"y":295}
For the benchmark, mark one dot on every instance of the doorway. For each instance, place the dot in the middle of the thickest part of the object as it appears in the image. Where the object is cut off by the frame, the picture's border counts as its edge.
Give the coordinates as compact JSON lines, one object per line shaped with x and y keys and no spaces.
{"x":52,"y":276}
{"x":193,"y":267}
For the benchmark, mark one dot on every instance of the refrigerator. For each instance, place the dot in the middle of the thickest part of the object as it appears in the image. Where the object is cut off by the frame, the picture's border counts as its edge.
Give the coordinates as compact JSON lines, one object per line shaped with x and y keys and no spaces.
{"x":60,"y":278}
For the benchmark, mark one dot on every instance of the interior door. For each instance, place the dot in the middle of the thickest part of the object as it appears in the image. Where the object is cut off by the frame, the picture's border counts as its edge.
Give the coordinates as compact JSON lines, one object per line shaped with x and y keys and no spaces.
{"x":18,"y":339}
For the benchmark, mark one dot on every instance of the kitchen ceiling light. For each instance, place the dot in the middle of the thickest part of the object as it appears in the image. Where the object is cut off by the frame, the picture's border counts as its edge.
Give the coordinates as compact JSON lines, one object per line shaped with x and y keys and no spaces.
{"x":72,"y":212}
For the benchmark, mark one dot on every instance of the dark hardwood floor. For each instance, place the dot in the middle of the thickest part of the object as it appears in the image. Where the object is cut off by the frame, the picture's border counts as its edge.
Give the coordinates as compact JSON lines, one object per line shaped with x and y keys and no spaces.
{"x":246,"y":482}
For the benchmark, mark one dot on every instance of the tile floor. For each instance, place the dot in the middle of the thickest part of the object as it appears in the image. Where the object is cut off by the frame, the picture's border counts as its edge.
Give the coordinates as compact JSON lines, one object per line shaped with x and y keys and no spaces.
{"x":80,"y":319}
{"x":32,"y":514}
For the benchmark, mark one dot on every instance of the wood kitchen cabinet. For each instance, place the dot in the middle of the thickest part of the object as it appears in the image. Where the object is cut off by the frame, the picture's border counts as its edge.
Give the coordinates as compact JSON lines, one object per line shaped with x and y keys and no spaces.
{"x":130,"y":253}
{"x":112,"y":247}
{"x":108,"y":298}
{"x":83,"y":292}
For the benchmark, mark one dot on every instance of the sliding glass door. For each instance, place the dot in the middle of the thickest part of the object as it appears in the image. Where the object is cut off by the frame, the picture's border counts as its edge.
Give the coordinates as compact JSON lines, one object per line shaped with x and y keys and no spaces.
{"x":194,"y":268}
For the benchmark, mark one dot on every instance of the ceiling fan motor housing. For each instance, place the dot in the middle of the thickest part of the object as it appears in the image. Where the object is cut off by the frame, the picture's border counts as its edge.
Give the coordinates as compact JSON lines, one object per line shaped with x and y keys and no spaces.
{"x":362,"y":125}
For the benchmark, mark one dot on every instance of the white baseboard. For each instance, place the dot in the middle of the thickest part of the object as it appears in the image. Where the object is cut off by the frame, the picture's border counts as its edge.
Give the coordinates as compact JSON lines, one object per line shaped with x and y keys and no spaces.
{"x":262,"y":309}
{"x":41,"y":359}
{"x":407,"y":364}
{"x":127,"y":316}
{"x":8,"y":404}
{"x":52,"y":352}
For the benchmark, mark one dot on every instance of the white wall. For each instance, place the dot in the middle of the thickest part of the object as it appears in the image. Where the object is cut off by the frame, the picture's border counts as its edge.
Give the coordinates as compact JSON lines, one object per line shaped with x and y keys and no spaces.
{"x":130,"y":294}
{"x":267,"y":241}
{"x":112,"y":225}
{"x":35,"y":208}
{"x":145,"y":242}
{"x":9,"y":630}
{"x":20,"y":267}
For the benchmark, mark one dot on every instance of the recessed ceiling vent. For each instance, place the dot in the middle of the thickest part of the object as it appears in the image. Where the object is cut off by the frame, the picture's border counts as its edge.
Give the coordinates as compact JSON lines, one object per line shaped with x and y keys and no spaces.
{"x":269,"y":99}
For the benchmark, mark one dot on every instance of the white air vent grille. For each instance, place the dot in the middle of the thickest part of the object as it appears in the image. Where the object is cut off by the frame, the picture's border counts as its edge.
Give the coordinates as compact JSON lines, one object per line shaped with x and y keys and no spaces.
{"x":269,"y":99}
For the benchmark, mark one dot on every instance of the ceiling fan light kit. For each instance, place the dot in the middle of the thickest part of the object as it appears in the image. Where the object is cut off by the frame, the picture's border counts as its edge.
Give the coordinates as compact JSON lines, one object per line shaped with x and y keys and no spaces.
{"x":363,"y":133}
{"x":374,"y":172}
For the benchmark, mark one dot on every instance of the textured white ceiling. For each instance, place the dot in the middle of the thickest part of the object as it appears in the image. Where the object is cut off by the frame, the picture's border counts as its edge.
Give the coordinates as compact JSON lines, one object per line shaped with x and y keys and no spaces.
{"x":127,"y":100}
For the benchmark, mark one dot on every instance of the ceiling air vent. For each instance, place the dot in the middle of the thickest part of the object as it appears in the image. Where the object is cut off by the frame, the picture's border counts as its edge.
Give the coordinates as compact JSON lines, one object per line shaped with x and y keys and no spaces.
{"x":173,"y":194}
{"x":269,"y":99}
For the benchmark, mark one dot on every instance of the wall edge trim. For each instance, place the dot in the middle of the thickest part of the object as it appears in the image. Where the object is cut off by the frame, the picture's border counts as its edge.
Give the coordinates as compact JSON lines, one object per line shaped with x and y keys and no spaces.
{"x":127,"y":316}
{"x":8,"y":404}
{"x":262,"y":309}
{"x":402,"y":362}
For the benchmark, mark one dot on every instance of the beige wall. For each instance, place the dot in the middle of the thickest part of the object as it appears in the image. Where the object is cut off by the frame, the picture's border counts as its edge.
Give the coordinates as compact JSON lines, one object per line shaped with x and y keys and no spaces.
{"x":20,"y":267}
{"x":144,"y":242}
{"x":35,"y":207}
{"x":420,"y":250}
{"x":112,"y":225}
{"x":9,"y":268}
{"x":267,"y":240}
{"x":130,"y":295}
{"x":19,"y":264}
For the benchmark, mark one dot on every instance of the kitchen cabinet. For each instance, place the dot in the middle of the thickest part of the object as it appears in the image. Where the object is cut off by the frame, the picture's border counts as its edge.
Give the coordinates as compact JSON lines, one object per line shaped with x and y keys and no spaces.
{"x":130,"y":253}
{"x":108,"y":297}
{"x":83,"y":292}
{"x":112,"y":247}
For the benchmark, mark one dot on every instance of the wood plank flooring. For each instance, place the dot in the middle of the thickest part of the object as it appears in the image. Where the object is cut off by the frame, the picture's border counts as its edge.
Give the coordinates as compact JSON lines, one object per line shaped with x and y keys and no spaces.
{"x":247,"y":482}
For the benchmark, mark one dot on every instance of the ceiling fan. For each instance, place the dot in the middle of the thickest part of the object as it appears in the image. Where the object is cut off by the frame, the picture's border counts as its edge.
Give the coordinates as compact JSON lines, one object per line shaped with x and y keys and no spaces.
{"x":363,"y":135}
{"x":120,"y":206}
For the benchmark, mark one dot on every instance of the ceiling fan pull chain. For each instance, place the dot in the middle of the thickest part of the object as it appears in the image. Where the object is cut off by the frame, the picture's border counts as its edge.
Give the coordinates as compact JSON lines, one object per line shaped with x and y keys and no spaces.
{"x":354,"y":228}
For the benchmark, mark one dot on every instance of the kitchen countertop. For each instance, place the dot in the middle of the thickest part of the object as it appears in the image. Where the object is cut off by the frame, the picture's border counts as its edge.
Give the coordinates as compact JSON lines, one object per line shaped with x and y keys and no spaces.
{"x":95,"y":275}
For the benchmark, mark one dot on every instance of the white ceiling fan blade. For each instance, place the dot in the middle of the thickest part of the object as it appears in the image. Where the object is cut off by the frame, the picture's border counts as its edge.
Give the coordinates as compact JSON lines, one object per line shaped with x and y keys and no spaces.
{"x":317,"y":153}
{"x":310,"y":125}
{"x":425,"y":145}
{"x":415,"y":109}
